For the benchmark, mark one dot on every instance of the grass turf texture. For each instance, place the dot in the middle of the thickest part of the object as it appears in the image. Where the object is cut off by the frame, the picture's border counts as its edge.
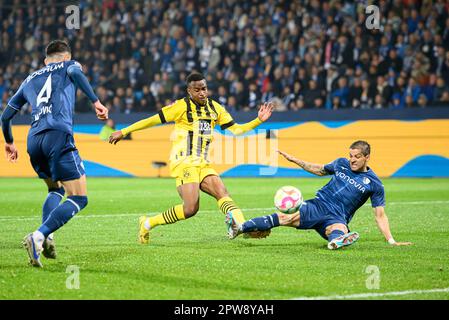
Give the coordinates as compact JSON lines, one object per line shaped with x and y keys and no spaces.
{"x":193,"y":259}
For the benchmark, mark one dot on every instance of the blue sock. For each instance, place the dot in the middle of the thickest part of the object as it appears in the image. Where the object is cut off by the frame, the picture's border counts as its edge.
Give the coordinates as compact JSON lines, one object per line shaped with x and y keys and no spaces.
{"x":261,"y":223}
{"x":335,"y":234}
{"x":62,"y":214}
{"x":53,"y":199}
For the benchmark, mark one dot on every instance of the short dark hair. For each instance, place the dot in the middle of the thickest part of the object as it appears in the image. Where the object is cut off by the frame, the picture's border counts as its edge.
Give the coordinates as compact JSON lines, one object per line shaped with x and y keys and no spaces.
{"x":195,"y":76}
{"x":363,"y":146}
{"x":57,"y":46}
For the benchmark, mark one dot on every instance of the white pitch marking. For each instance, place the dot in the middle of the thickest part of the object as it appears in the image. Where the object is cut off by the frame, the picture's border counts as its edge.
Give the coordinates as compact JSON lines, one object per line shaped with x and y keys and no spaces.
{"x":372,"y":294}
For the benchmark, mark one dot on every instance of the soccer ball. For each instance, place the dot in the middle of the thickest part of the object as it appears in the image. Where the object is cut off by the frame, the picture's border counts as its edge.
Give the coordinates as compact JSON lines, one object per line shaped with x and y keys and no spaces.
{"x":288,"y":199}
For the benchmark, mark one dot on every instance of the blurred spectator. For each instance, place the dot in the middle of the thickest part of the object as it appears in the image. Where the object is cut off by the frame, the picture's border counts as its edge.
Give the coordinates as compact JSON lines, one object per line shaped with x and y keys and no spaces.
{"x":378,"y":102}
{"x":384,"y":90}
{"x":253,"y":98}
{"x":355,"y":93}
{"x":222,"y":96}
{"x":367,"y":96}
{"x":441,"y":92}
{"x":409,"y":103}
{"x":311,"y":94}
{"x":341,"y":92}
{"x":422,"y":100}
{"x":397,"y":102}
{"x":413,"y":90}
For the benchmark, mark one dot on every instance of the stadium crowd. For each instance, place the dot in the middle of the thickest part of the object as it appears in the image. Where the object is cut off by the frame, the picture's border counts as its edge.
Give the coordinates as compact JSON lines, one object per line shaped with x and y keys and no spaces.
{"x":302,"y":54}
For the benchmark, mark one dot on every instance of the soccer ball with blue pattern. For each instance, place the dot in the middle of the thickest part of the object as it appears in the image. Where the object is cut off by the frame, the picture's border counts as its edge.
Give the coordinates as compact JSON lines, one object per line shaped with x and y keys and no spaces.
{"x":288,"y":199}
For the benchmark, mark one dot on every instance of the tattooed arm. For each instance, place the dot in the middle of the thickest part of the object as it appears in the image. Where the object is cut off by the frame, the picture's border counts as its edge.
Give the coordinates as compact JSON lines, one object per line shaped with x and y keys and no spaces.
{"x":317,"y":169}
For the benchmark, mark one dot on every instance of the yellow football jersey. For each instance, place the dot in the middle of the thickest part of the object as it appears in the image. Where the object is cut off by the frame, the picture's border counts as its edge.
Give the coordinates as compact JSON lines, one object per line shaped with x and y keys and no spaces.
{"x":194,"y":127}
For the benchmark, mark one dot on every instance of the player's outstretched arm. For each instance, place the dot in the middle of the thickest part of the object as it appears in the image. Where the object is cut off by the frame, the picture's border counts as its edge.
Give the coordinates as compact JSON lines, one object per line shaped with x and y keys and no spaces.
{"x":317,"y":169}
{"x":264,"y":114}
{"x":12,"y":153}
{"x":139,"y":125}
{"x":384,"y":227}
{"x":76,"y":74}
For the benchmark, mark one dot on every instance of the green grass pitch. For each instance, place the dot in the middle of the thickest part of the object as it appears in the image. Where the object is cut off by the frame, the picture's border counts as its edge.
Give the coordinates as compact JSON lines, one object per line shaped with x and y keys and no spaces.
{"x":193,"y":259}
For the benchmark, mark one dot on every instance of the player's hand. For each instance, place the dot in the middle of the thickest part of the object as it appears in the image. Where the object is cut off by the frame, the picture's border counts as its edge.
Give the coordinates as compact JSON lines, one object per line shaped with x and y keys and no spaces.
{"x":101,"y":111}
{"x":12,"y":154}
{"x":402,"y":244}
{"x":287,"y":156}
{"x":265,"y":111}
{"x":116,"y":137}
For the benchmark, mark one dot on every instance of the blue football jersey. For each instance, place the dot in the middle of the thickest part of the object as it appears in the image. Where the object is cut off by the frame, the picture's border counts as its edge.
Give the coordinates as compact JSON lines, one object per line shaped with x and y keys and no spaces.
{"x":347,"y":191}
{"x":51,"y":94}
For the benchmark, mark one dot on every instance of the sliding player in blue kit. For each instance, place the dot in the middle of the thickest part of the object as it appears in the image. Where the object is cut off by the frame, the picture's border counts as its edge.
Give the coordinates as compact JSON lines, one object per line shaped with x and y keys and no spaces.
{"x":51,"y":92}
{"x":352,"y":183}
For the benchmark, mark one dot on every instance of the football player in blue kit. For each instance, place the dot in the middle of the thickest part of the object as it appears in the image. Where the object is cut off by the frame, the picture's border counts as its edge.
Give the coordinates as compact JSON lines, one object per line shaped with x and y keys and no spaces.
{"x":334,"y":205}
{"x":51,"y":92}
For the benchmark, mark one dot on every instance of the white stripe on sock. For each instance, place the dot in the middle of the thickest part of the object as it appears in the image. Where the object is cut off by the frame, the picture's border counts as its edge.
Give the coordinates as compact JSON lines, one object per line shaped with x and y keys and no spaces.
{"x":75,"y":204}
{"x":56,"y":194}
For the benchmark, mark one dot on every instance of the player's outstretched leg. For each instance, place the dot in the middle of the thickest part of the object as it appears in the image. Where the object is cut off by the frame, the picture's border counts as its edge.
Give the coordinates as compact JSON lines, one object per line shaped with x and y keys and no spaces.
{"x":190,"y":194}
{"x":76,"y":201}
{"x":342,"y":239}
{"x":55,"y":195}
{"x":228,"y":207}
{"x":172,"y":215}
{"x":338,"y":236}
{"x":264,"y":224}
{"x":214,"y":186}
{"x":34,"y":242}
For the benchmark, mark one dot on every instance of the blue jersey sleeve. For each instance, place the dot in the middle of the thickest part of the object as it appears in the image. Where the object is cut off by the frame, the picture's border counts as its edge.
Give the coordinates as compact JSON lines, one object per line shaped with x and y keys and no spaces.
{"x":378,"y":196}
{"x":18,"y":100}
{"x":14,"y":105}
{"x":6,"y":117}
{"x":76,"y":74}
{"x":330,"y":167}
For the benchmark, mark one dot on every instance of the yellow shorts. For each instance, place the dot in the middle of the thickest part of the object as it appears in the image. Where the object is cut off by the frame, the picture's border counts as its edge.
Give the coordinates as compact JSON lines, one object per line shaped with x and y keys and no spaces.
{"x":188,"y":173}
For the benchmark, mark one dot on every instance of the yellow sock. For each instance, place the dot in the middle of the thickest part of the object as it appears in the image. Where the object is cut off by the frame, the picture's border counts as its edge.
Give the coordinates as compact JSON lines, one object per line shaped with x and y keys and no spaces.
{"x":172,"y":215}
{"x":226,"y":204}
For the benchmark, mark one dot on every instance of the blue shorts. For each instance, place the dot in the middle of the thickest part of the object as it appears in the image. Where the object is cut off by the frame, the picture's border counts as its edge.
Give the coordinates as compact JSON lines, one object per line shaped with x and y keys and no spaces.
{"x":315,"y":215}
{"x":53,"y":155}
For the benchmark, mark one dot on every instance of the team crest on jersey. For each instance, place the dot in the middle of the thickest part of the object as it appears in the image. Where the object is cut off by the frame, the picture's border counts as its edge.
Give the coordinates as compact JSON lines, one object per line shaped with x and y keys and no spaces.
{"x":186,"y":173}
{"x":366,"y":180}
{"x":213,"y":116}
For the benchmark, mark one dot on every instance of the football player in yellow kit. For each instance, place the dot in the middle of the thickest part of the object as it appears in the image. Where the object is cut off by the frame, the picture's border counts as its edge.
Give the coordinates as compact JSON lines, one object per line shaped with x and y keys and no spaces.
{"x":195,"y":117}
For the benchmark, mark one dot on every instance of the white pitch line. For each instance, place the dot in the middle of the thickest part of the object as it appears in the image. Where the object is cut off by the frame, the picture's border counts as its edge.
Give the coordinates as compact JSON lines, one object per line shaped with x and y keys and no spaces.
{"x":372,"y":294}
{"x":27,"y":218}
